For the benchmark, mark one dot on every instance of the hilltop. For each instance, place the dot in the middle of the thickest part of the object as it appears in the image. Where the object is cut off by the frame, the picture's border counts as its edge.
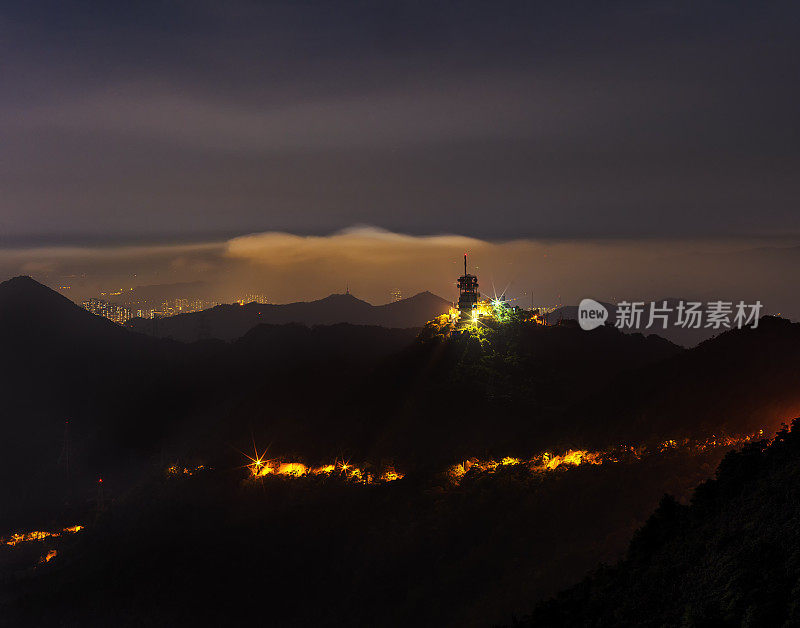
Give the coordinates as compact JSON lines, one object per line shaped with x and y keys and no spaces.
{"x":29,"y":309}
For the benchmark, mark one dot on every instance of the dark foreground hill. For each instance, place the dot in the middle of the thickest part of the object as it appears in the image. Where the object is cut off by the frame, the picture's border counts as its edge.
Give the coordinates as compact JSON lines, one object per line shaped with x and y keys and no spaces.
{"x":739,"y":382}
{"x":59,"y":364}
{"x":495,"y":390}
{"x":212,"y":546}
{"x":516,"y":389}
{"x":227,"y":322}
{"x":214,"y":549}
{"x":731,"y":558}
{"x":126,"y":396}
{"x":367,"y":392}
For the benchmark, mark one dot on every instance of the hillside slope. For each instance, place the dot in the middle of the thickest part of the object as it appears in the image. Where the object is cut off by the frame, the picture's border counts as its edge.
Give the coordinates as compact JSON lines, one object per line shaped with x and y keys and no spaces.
{"x":495,"y":391}
{"x":126,"y":396}
{"x":739,"y":382}
{"x":731,"y":558}
{"x":370,"y":392}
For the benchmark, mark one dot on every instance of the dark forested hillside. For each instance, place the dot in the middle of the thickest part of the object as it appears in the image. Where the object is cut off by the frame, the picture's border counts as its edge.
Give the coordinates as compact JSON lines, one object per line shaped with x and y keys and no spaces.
{"x":129,"y":398}
{"x":502,"y":390}
{"x":440,"y":545}
{"x":730,"y":558}
{"x":214,"y":548}
{"x":370,"y":392}
{"x":516,"y":388}
{"x":740,"y":381}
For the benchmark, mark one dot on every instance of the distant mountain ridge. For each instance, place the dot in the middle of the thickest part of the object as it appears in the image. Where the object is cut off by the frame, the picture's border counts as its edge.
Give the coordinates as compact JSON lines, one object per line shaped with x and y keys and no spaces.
{"x":683,"y":336}
{"x":228,"y":322}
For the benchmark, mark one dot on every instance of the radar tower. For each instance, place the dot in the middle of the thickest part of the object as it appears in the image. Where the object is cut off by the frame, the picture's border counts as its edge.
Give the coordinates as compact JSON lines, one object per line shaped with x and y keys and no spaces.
{"x":468,"y":293}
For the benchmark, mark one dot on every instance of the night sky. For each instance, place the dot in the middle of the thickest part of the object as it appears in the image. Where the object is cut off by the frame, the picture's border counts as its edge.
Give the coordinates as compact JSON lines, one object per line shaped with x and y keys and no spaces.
{"x":194,"y":122}
{"x":490,"y":119}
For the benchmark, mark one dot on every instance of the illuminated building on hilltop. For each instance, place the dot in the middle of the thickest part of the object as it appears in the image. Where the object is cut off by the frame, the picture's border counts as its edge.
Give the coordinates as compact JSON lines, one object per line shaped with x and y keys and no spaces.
{"x":396,"y":295}
{"x":468,"y":293}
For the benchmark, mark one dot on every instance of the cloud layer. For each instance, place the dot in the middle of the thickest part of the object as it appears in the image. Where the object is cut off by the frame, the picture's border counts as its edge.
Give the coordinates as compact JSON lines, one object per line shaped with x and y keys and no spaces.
{"x":288,"y":267}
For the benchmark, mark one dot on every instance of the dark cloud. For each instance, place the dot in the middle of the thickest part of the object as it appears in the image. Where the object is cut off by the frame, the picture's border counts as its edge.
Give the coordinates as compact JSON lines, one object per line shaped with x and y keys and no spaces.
{"x":145,"y":121}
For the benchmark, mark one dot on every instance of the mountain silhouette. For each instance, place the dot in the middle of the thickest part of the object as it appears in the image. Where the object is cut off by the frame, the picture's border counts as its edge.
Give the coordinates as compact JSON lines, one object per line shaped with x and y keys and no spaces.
{"x":123,"y":393}
{"x":738,"y":382}
{"x":31,"y":312}
{"x":415,"y":548}
{"x":684,"y":336}
{"x":377,"y":392}
{"x":227,"y":322}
